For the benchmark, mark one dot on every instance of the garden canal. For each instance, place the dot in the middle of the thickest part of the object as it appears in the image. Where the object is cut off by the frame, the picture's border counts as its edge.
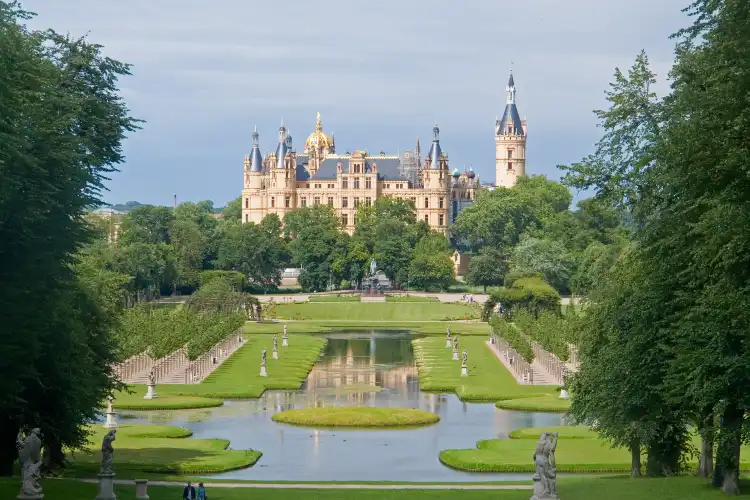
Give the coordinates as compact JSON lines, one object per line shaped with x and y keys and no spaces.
{"x":356,"y":369}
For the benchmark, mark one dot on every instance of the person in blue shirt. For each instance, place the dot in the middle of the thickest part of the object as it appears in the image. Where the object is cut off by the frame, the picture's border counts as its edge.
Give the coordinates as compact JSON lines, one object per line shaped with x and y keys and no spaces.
{"x":189,"y":492}
{"x":201,"y":492}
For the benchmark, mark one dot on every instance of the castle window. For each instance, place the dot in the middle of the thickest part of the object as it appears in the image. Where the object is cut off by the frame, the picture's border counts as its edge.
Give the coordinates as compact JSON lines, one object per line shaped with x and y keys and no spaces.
{"x":316,"y":200}
{"x":247,"y":202}
{"x":303,"y":202}
{"x":345,"y":183}
{"x":356,"y":201}
{"x":344,"y":220}
{"x":510,"y":129}
{"x":440,"y":220}
{"x":330,"y":201}
{"x":388,"y":186}
{"x":468,"y":195}
{"x":441,"y":204}
{"x":331,"y":186}
{"x":510,"y":153}
{"x":318,"y":186}
{"x":356,"y":169}
{"x":344,"y":202}
{"x":273,"y":202}
{"x":287,"y":201}
{"x":246,"y":218}
{"x":368,"y":201}
{"x":356,"y":183}
{"x":368,"y":183}
{"x":510,"y":165}
{"x":453,"y":196}
{"x":427,"y":218}
{"x":427,"y":203}
{"x":413,"y":201}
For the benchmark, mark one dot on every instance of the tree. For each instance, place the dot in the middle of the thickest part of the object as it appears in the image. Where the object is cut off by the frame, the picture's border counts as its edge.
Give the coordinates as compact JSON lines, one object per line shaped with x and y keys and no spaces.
{"x":233,"y":210}
{"x":146,"y":224}
{"x":61,"y":131}
{"x":487,"y":269}
{"x":255,"y":250}
{"x":548,"y":257}
{"x":431,"y":266}
{"x":315,"y":232}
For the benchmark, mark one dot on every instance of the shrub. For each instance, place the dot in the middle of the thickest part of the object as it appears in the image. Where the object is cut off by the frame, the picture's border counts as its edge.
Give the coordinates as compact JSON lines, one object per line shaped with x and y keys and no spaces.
{"x":345,"y":285}
{"x":514,"y":276}
{"x":235,"y":278}
{"x":531,"y":294}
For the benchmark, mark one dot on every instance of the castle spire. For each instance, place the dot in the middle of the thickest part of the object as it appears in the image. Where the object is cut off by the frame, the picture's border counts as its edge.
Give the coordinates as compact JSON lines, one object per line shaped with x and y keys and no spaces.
{"x":435,"y":151}
{"x":256,"y":160}
{"x":510,"y":90}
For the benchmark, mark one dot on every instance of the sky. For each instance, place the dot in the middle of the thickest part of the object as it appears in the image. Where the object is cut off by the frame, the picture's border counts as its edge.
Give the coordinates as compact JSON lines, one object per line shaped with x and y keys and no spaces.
{"x":380,"y":74}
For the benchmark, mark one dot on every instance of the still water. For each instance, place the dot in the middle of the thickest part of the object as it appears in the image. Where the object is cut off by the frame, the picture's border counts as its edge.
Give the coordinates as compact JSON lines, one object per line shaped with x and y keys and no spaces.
{"x":349,"y":372}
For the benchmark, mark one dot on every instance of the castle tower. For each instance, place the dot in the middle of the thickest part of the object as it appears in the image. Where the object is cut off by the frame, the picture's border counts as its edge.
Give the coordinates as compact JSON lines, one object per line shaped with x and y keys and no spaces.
{"x":510,"y":141}
{"x":318,"y":146}
{"x":432,"y":206}
{"x":283,"y":179}
{"x":252,"y":196}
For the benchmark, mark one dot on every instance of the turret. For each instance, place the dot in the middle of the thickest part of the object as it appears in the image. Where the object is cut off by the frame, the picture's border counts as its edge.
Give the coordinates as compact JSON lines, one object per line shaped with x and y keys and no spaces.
{"x":510,"y":141}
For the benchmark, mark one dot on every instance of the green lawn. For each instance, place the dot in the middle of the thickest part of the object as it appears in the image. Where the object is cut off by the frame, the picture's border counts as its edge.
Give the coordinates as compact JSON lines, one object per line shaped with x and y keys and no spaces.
{"x":579,"y":450}
{"x":356,"y":417}
{"x":488,"y":379}
{"x":334,"y":298}
{"x":330,"y":326}
{"x":614,"y":488}
{"x":162,"y":449}
{"x":238,"y":377}
{"x":411,"y":298}
{"x":546,"y":403}
{"x":389,"y":311}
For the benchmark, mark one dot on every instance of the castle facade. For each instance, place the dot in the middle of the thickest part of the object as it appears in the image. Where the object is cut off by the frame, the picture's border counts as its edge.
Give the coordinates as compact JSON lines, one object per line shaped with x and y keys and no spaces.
{"x":284,"y":180}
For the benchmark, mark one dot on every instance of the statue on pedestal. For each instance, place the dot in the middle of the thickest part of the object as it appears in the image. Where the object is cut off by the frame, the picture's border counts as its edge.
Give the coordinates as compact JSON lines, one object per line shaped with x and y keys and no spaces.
{"x":30,"y":459}
{"x":545,"y":479}
{"x":263,"y":358}
{"x":152,"y":377}
{"x":464,"y":359}
{"x":108,"y":453}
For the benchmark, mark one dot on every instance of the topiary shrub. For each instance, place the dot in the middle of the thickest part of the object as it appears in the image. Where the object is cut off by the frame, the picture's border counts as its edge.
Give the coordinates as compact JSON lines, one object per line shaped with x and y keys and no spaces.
{"x":235,"y":278}
{"x":532,"y":294}
{"x":514,"y":276}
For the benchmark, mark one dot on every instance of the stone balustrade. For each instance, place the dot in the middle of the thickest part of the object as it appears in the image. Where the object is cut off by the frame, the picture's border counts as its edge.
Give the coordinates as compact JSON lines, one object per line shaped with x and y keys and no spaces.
{"x":166,"y":366}
{"x":134,"y":366}
{"x":549,"y":362}
{"x":520,"y":368}
{"x":203,"y":366}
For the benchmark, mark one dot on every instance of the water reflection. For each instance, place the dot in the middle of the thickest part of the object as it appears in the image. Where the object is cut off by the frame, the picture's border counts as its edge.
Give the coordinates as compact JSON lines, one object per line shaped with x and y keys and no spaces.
{"x":357,"y":369}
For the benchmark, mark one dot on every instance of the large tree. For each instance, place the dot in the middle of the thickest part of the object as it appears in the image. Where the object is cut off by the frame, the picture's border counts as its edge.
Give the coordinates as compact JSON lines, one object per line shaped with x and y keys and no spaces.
{"x":61,"y":127}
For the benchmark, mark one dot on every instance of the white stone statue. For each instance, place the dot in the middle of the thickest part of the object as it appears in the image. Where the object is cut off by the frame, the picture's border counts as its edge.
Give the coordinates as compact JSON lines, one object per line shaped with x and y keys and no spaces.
{"x":464,"y":359}
{"x":152,"y":377}
{"x":30,"y":458}
{"x":373,"y":267}
{"x":108,"y":453}
{"x":263,"y":358}
{"x":545,"y":479}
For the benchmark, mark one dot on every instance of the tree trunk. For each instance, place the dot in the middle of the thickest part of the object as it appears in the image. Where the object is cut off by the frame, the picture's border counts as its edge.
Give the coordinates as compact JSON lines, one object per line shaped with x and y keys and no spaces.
{"x":635,"y":458}
{"x":54,"y":457}
{"x":706,"y":460}
{"x":728,"y":452}
{"x":485,"y":289}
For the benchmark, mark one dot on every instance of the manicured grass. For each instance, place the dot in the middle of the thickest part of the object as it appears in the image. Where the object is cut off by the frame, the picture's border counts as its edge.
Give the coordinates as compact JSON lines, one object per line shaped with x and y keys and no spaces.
{"x":163,"y":449}
{"x":410,"y":298}
{"x":610,"y":488}
{"x":488,"y":379}
{"x":356,"y":417}
{"x":417,"y":311}
{"x":238,"y":377}
{"x":579,"y":450}
{"x":546,"y":403}
{"x":334,"y":298}
{"x":332,"y":326}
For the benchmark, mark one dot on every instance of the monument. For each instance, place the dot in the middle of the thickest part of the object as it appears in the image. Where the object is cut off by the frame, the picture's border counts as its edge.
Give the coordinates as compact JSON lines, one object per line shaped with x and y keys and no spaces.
{"x":455,"y":348}
{"x":275,"y":354}
{"x":545,"y":478}
{"x":263,"y":372}
{"x":564,"y":389}
{"x":285,"y":338}
{"x":111,"y":415}
{"x":30,"y":459}
{"x":151,"y":391}
{"x":448,"y":338}
{"x":464,"y":364}
{"x":371,"y":286}
{"x":106,"y":474}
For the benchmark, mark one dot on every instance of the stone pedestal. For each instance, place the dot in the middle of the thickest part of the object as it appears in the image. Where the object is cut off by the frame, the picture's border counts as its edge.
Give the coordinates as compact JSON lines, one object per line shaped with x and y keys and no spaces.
{"x":111,"y":420}
{"x":24,"y":496}
{"x":564,"y":394}
{"x":151,"y":392}
{"x":284,"y":343}
{"x":464,"y":371}
{"x":448,"y":344}
{"x":106,"y":487}
{"x":263,"y":371}
{"x":538,"y":489}
{"x":455,"y":355}
{"x":141,"y":489}
{"x":275,"y":355}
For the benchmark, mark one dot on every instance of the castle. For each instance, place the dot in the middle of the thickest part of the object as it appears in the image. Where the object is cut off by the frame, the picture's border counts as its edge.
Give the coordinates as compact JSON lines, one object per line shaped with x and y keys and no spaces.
{"x":285,"y":180}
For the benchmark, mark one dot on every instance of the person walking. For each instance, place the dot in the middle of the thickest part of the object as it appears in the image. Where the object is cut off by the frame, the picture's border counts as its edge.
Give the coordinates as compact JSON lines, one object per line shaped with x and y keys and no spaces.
{"x":202,"y":495}
{"x":189,"y":492}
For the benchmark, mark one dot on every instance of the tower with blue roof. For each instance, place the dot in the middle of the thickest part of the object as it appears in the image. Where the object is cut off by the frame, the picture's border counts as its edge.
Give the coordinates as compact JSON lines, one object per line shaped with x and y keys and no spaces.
{"x":510,"y":141}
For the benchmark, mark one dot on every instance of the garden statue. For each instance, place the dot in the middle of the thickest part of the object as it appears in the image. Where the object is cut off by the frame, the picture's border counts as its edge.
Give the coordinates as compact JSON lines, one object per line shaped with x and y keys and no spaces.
{"x":464,"y":358}
{"x":464,"y":364}
{"x":545,"y":487}
{"x":285,"y":338}
{"x":151,"y":388}
{"x":448,"y":338}
{"x":263,"y":372}
{"x":275,"y":354}
{"x":108,"y":453}
{"x":373,"y":267}
{"x":111,"y":414}
{"x":152,"y":377}
{"x":30,"y":459}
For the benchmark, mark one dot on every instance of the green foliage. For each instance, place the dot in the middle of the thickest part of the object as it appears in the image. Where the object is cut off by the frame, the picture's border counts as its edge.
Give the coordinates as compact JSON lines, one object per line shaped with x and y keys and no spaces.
{"x":233,"y":210}
{"x":530,"y":294}
{"x":235,"y":278}
{"x":489,"y":268}
{"x":431,"y":266}
{"x":62,"y":123}
{"x":357,"y":417}
{"x":554,"y":332}
{"x":146,"y":224}
{"x":513,"y":337}
{"x":514,"y":276}
{"x":547,"y":257}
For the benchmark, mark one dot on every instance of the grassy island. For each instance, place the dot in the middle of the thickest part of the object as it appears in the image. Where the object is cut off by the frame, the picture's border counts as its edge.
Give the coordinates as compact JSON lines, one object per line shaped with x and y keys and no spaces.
{"x":488,"y":379}
{"x":579,"y":451}
{"x":237,"y":378}
{"x":357,"y":417}
{"x":163,"y":449}
{"x":546,"y":403}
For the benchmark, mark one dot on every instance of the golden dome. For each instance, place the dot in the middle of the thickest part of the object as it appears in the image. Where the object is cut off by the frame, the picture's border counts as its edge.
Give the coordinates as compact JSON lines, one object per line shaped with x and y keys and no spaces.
{"x":318,"y":139}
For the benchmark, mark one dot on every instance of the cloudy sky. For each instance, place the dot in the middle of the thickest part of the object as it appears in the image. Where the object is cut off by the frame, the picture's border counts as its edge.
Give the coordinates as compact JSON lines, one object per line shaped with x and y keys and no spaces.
{"x":380,"y":73}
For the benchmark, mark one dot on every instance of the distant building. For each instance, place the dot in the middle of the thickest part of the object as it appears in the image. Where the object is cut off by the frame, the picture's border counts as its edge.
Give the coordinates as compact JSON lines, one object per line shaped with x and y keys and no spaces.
{"x":284,"y":180}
